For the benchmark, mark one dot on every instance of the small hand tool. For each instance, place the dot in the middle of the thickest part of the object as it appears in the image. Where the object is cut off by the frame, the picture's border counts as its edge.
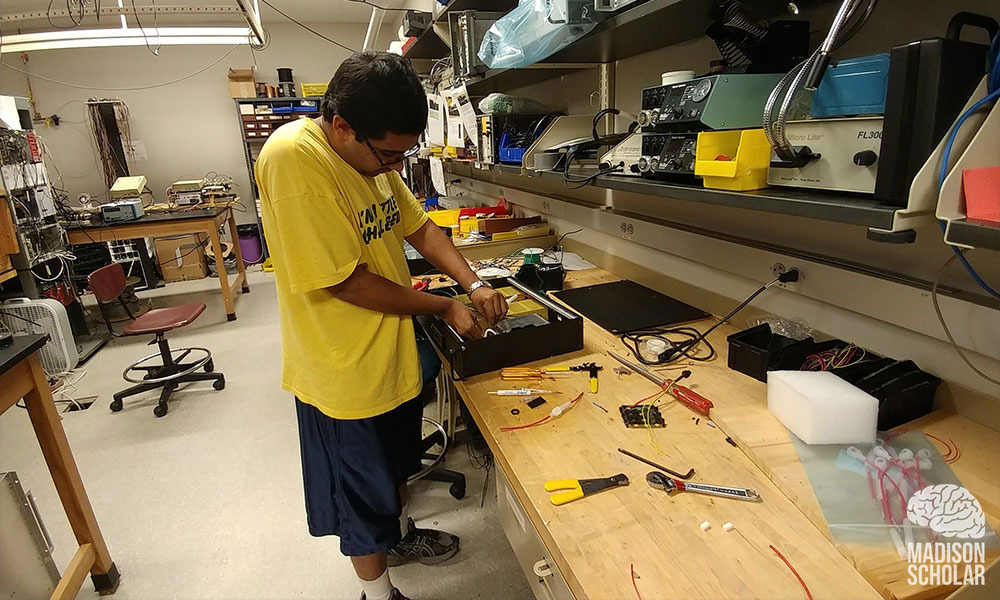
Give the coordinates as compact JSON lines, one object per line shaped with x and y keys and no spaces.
{"x":523,"y":392}
{"x":591,"y":369}
{"x":619,"y":371}
{"x":578,"y":488}
{"x":531,"y":373}
{"x":660,"y":467}
{"x":684,"y":395}
{"x":669,"y":485}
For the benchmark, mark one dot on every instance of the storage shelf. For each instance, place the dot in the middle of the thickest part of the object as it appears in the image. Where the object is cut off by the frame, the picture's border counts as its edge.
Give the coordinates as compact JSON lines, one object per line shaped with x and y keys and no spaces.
{"x":649,"y":26}
{"x":827,"y":206}
{"x":268,"y":100}
{"x":823,"y":206}
{"x":975,"y":233}
{"x":485,"y":5}
{"x":502,"y":80}
{"x":428,"y":45}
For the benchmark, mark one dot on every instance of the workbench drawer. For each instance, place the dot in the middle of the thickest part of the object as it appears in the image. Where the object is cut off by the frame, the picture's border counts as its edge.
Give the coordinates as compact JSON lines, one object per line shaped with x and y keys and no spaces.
{"x":543,"y":576}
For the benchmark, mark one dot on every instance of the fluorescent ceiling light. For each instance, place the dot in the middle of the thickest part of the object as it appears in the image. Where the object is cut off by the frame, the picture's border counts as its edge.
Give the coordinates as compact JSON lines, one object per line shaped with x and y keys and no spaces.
{"x":96,"y":38}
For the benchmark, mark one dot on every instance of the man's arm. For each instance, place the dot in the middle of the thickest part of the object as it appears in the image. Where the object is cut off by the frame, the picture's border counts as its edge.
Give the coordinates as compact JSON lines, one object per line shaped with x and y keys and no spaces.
{"x":438,"y":249}
{"x":374,"y":292}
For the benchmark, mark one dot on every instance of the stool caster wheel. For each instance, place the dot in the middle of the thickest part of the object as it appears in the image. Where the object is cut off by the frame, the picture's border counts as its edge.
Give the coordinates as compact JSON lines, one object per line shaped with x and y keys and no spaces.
{"x":457,"y":491}
{"x":160,"y":410}
{"x":116,"y":405}
{"x":209,"y":366}
{"x":219,"y":384}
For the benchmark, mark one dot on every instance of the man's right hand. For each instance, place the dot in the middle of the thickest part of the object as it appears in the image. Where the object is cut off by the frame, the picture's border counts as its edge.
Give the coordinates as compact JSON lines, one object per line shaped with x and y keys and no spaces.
{"x":461,"y":318}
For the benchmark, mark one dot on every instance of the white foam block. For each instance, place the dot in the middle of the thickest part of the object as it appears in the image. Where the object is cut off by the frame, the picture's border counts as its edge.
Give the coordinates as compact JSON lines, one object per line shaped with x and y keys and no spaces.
{"x":821,"y":408}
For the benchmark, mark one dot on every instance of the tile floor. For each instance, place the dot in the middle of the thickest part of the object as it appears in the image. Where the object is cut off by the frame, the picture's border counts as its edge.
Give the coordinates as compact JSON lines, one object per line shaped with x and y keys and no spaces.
{"x":207,"y":502}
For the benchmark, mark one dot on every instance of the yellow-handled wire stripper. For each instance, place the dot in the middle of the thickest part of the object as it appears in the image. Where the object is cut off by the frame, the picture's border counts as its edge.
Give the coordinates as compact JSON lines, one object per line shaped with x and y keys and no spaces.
{"x":578,"y":488}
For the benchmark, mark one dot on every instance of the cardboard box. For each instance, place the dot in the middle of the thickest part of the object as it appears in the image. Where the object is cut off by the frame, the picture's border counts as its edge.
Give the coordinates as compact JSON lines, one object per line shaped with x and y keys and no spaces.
{"x":241,"y":83}
{"x":182,"y":257}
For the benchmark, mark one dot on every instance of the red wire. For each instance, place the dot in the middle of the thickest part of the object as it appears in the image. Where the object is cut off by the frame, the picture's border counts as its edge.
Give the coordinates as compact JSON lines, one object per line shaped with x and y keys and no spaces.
{"x":794,"y":572}
{"x":635,"y":587}
{"x":647,"y":398}
{"x":542,"y":420}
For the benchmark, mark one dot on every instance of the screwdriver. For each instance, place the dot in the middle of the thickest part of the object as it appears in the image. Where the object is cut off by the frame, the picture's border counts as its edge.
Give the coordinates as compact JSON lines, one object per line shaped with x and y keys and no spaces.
{"x":683,"y":394}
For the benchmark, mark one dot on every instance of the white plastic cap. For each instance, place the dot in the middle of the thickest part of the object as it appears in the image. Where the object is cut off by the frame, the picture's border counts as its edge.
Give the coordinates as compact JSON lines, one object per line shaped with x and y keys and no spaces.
{"x":727,"y":526}
{"x":705,"y":525}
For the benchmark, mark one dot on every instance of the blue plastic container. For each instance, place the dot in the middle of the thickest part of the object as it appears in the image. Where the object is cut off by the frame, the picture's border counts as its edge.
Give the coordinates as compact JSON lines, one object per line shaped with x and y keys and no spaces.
{"x":856,"y":86}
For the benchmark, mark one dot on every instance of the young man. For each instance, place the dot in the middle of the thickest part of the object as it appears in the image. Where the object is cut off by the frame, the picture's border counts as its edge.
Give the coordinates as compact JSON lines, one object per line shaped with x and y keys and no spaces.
{"x":335,"y":214}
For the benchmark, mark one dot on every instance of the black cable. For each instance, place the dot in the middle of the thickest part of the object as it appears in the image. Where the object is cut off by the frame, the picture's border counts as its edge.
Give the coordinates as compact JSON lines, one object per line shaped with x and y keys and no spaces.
{"x":143,"y":29}
{"x":307,"y":28}
{"x":16,"y":316}
{"x":683,"y":348}
{"x":563,"y":236}
{"x":597,"y":119}
{"x":686,"y":347}
{"x":48,"y":16}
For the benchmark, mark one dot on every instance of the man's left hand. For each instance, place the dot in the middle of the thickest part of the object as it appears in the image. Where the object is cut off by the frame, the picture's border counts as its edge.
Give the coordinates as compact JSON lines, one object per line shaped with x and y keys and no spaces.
{"x":490,"y":304}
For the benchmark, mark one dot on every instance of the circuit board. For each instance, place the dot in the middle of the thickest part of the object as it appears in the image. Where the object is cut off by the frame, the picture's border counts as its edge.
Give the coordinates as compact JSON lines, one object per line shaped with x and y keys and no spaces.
{"x":642,"y":416}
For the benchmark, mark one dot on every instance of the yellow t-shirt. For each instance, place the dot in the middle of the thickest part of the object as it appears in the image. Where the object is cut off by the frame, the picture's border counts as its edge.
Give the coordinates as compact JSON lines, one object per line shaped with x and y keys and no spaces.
{"x":321,"y":220}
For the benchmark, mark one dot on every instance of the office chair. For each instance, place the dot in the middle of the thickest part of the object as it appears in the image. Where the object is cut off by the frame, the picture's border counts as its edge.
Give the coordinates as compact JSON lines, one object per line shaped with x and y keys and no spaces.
{"x":430,"y":366}
{"x":108,"y":285}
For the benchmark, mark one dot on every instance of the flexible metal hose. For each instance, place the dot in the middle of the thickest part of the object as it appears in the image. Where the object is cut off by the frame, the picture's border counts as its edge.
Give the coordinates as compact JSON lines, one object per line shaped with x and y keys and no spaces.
{"x":775,"y":132}
{"x":769,"y":109}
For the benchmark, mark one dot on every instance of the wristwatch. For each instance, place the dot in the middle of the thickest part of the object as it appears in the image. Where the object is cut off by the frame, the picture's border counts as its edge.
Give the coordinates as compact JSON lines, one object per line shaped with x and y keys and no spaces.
{"x":476,"y":285}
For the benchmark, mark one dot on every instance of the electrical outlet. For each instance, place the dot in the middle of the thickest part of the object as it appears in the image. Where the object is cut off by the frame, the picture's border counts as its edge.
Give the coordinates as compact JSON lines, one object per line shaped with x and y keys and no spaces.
{"x":779,"y":269}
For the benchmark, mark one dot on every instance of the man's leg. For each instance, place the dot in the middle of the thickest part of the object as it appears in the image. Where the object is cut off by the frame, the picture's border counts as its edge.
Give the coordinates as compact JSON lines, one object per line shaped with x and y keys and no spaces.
{"x":351,"y":492}
{"x":370,"y":566}
{"x":428,"y":546}
{"x":373,"y":572}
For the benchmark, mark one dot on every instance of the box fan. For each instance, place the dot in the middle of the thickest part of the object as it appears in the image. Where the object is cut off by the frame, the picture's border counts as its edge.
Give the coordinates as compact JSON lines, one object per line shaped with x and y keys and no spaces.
{"x":24,"y":317}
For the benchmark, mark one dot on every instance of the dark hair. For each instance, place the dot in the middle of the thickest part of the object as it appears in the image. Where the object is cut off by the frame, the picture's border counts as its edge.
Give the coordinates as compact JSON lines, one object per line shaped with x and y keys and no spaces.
{"x":377,"y":92}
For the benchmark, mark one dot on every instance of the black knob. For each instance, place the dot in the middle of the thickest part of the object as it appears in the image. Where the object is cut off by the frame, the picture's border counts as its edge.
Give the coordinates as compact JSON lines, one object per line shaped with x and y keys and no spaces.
{"x":634,"y":168}
{"x":675,"y":113}
{"x":865,"y":158}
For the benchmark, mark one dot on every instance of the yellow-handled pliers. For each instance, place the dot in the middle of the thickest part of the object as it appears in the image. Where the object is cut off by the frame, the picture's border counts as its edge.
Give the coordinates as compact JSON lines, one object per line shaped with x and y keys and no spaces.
{"x":578,"y":488}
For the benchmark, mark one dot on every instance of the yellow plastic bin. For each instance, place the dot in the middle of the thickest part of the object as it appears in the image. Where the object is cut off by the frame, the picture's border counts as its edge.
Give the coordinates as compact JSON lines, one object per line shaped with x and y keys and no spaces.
{"x":444,"y":218}
{"x":749,"y":154}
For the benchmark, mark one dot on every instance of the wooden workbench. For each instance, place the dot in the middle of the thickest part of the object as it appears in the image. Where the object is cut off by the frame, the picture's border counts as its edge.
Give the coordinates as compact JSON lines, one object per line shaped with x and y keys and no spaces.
{"x":22,"y":376}
{"x":206,"y":221}
{"x":593,"y":541}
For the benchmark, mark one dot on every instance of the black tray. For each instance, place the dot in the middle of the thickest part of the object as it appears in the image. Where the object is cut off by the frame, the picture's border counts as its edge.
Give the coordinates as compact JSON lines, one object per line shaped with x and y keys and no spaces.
{"x":563,"y":333}
{"x":757,"y":350}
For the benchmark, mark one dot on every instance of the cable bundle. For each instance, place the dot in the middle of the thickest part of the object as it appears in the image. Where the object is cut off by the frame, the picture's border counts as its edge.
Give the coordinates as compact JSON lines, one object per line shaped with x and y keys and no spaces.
{"x":109,"y":160}
{"x":834,"y":358}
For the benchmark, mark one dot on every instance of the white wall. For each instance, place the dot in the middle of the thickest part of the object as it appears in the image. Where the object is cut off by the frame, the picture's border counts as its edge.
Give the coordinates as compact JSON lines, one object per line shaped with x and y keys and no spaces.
{"x":190,"y":127}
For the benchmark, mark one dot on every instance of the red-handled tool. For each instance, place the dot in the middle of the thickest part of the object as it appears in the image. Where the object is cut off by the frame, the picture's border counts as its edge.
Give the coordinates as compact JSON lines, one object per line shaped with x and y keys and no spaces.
{"x":682,"y":394}
{"x":691,"y":399}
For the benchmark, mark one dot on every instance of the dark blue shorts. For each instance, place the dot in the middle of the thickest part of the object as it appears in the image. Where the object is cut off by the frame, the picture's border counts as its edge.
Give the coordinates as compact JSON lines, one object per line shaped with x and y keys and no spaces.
{"x":352,"y":471}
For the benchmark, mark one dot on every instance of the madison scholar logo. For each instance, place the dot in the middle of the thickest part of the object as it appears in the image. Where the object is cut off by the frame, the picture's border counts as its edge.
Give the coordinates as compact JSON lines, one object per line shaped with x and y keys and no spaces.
{"x":952,"y":512}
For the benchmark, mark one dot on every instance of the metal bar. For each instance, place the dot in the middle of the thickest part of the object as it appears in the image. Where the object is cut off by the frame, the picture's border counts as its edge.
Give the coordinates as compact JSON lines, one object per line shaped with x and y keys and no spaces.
{"x":113,"y":11}
{"x":374,"y":27}
{"x":639,"y":369}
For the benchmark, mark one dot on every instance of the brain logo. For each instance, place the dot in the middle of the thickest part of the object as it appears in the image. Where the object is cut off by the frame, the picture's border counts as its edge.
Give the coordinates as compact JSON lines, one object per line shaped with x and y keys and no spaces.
{"x":947,"y":509}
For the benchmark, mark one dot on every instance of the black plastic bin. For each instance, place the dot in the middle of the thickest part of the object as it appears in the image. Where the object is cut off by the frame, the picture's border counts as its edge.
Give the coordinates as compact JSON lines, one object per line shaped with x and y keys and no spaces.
{"x":757,"y":350}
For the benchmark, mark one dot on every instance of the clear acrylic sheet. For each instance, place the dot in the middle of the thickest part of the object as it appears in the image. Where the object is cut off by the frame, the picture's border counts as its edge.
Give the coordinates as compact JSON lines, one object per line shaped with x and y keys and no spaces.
{"x":841,"y":484}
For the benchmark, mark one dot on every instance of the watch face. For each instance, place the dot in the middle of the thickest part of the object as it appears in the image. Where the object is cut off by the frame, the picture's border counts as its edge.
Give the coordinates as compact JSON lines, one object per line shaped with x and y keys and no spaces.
{"x":701,"y":90}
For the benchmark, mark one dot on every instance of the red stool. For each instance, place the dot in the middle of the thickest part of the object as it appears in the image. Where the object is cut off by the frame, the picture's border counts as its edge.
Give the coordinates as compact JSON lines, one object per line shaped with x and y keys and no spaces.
{"x":174,"y":368}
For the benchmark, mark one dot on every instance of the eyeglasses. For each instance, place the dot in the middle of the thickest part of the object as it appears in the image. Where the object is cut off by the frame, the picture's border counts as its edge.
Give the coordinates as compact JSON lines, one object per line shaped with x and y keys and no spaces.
{"x":386,"y":163}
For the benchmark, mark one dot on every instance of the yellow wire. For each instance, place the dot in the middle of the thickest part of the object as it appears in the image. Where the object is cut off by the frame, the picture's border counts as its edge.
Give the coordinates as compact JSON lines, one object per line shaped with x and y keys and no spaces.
{"x":649,"y":426}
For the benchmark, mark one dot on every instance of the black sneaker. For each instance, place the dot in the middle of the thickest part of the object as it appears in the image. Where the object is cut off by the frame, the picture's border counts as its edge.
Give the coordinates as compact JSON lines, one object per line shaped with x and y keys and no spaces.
{"x":429,"y":546}
{"x":396,"y":595}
